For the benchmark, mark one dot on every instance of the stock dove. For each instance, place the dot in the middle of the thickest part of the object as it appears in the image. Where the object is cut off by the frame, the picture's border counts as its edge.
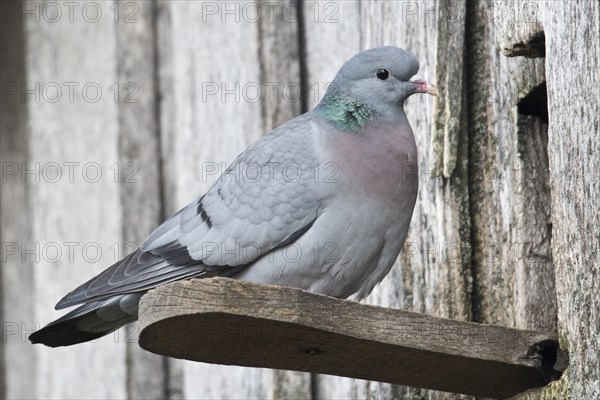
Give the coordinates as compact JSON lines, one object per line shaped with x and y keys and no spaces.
{"x":322,"y":203}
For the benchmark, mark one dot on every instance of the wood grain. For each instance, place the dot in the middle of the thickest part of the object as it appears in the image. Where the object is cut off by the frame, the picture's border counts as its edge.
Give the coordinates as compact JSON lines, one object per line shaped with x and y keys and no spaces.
{"x":226,"y":321}
{"x":84,"y":210}
{"x":139,"y":156}
{"x":279,"y":57}
{"x":572,"y":53}
{"x":209,"y":68}
{"x":509,"y":186}
{"x":16,"y":274}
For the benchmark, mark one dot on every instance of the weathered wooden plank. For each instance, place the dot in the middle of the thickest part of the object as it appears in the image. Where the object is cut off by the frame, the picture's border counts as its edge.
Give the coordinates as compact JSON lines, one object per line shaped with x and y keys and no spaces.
{"x":75,"y":200}
{"x":139,"y":162}
{"x":510,"y":199}
{"x":16,"y":274}
{"x":572,"y":31}
{"x":518,"y":27}
{"x":433,"y":273}
{"x":279,"y":57}
{"x":168,"y":131}
{"x":227,"y":321}
{"x":214,"y":105}
{"x":331,"y":35}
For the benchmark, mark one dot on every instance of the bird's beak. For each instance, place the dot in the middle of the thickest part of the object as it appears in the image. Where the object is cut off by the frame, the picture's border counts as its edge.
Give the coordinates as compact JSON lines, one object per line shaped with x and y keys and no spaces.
{"x":423,"y":86}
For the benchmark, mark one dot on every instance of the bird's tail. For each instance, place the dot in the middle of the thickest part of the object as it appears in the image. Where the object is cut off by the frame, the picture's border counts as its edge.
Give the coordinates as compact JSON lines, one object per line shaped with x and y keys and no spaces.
{"x":90,"y":321}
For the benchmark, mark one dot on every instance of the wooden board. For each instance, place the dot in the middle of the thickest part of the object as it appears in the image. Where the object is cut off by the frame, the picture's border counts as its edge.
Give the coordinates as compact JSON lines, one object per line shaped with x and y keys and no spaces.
{"x":231,"y":322}
{"x":210,"y":111}
{"x":75,"y":214}
{"x":432,"y":274}
{"x":572,"y":54}
{"x":139,"y":151}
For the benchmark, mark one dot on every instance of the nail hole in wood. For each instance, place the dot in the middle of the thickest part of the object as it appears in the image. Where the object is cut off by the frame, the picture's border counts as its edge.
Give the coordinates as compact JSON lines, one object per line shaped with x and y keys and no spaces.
{"x":312,"y":351}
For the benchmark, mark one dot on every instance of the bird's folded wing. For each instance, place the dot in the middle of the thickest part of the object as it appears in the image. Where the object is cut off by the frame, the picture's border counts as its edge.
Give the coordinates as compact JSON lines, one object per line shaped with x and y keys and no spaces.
{"x":266,"y":199}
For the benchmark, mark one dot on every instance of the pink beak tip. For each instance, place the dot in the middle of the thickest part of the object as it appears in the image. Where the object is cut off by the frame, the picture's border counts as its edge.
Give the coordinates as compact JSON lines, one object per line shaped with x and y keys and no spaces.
{"x":424,"y":87}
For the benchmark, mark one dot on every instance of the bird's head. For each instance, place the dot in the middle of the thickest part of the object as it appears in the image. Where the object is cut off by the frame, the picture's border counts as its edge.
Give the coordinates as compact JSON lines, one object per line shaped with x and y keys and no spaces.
{"x":376,"y":81}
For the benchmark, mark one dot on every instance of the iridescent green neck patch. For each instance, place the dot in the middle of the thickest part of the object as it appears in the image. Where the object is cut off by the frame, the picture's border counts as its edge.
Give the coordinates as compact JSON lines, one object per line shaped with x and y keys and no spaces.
{"x":345,"y":112}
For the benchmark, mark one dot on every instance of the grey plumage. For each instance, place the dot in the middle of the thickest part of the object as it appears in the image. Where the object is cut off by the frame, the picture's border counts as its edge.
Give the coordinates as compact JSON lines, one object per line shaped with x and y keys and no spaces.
{"x":322,"y":203}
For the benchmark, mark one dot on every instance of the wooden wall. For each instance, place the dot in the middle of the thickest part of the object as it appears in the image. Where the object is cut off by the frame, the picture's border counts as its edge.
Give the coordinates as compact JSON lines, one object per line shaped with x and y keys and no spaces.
{"x":504,"y":230}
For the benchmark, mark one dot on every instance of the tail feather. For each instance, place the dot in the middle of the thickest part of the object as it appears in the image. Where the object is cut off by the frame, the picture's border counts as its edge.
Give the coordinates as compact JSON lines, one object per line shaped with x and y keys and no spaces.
{"x":90,"y":321}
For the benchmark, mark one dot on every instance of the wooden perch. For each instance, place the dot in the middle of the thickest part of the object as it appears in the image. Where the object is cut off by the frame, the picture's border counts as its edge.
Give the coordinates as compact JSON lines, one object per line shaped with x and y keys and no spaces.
{"x":225,"y":321}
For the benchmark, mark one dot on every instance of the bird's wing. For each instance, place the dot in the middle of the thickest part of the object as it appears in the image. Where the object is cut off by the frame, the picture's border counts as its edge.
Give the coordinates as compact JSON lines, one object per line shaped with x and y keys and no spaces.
{"x":138,"y":271}
{"x":267,"y":198}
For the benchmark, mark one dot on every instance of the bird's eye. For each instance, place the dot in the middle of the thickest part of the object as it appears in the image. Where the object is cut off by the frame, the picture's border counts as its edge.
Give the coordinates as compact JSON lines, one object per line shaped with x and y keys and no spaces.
{"x":383,"y":74}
